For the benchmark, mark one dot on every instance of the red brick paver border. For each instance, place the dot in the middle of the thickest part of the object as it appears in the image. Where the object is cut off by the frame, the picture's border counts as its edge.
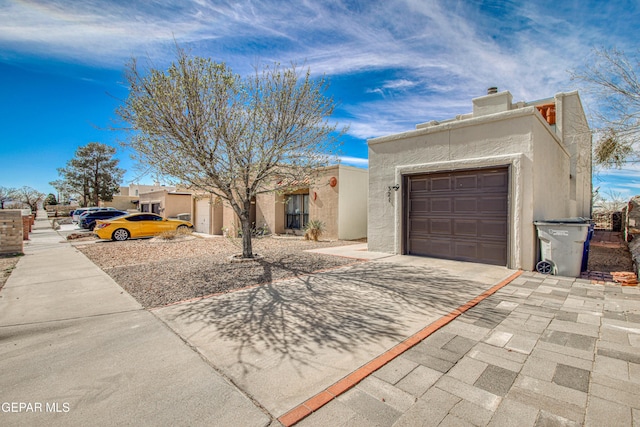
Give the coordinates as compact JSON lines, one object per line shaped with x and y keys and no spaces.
{"x":319,"y":400}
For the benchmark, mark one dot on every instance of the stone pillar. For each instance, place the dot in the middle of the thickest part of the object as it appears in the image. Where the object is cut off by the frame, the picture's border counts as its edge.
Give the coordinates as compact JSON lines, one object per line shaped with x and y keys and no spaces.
{"x":11,"y":231}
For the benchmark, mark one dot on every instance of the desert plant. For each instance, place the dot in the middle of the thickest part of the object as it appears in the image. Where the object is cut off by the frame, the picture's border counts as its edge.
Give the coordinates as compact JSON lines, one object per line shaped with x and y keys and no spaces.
{"x":173,"y":234}
{"x":313,"y":230}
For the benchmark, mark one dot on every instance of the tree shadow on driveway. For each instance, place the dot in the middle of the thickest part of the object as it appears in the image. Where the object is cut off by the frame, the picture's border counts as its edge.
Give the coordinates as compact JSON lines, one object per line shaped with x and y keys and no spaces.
{"x":365,"y":305}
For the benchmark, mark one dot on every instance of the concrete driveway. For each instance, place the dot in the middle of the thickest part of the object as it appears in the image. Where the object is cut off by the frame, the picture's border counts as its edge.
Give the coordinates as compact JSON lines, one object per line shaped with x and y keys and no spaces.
{"x":284,"y":342}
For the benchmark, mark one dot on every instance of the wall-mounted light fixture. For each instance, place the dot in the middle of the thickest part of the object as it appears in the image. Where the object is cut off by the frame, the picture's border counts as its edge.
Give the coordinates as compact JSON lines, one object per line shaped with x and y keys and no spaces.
{"x":394,"y":188}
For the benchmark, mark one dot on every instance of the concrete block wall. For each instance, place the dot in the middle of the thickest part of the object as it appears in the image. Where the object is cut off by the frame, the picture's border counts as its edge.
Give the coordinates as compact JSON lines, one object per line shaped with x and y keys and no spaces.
{"x":11,"y":231}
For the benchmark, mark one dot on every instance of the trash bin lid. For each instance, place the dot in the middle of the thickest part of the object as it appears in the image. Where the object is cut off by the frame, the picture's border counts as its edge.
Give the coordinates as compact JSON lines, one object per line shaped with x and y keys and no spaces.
{"x":577,"y":220}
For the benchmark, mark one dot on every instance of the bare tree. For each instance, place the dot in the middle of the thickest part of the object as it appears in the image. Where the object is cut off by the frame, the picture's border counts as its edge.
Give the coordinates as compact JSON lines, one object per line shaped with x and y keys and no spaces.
{"x":6,"y":195}
{"x":30,"y":197}
{"x":609,"y":201}
{"x":232,"y":136}
{"x":611,"y":75}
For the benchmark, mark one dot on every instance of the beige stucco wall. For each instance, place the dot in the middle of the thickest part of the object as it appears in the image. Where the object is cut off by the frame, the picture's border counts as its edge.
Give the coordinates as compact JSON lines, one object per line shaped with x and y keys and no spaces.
{"x":342,"y":208}
{"x":171,"y":204}
{"x":352,"y":203}
{"x":270,"y":212}
{"x":177,"y":203}
{"x":230,"y":220}
{"x":575,"y":133}
{"x":324,"y":200}
{"x":505,"y":138}
{"x":123,"y":203}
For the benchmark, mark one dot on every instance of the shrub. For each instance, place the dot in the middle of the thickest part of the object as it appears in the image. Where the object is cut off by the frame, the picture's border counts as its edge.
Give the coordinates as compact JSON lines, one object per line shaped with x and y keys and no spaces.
{"x":313,"y":230}
{"x":173,"y":234}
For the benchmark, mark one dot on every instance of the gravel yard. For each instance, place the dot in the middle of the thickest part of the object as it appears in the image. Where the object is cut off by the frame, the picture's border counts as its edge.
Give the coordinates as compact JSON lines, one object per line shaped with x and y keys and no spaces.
{"x":158,"y":273}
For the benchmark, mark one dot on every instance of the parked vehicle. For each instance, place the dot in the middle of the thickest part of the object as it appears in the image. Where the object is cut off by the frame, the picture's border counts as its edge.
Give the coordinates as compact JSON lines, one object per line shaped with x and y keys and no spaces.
{"x":88,"y":218}
{"x":76,"y":213}
{"x":137,"y":225}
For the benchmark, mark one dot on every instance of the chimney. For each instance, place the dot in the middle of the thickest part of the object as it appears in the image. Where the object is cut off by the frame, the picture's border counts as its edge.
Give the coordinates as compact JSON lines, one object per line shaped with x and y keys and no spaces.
{"x":491,"y":103}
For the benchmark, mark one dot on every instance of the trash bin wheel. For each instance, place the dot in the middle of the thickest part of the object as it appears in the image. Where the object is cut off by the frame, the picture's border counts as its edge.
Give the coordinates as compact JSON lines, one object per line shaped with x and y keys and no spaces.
{"x":545,"y":267}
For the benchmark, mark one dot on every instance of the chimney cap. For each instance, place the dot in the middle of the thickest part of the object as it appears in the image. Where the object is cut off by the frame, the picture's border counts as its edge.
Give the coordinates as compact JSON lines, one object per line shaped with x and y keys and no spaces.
{"x":491,"y":90}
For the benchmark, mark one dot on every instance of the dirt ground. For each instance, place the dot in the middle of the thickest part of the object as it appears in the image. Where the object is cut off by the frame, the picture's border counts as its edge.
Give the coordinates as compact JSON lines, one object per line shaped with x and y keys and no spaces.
{"x":609,"y":259}
{"x":7,"y":264}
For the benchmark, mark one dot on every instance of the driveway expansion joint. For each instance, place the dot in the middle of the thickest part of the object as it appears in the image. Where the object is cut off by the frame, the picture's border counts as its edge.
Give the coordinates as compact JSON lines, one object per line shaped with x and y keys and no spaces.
{"x":67,"y":319}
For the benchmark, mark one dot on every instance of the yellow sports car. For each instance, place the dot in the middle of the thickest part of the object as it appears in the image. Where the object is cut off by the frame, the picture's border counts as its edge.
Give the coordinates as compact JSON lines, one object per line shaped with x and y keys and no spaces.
{"x":137,"y":225}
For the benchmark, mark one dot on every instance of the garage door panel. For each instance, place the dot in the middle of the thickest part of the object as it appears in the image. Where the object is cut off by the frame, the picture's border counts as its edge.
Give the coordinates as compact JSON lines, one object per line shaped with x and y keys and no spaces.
{"x":466,"y":182}
{"x":441,"y":205}
{"x":493,"y":204}
{"x":420,"y":206}
{"x":493,"y":229}
{"x":419,"y":225}
{"x":495,"y":180}
{"x":440,"y":226}
{"x":493,"y":253}
{"x":440,"y":246}
{"x":466,"y":205}
{"x":464,"y":227}
{"x":419,"y":184}
{"x":466,"y":250}
{"x":440,"y":184}
{"x":462,"y":215}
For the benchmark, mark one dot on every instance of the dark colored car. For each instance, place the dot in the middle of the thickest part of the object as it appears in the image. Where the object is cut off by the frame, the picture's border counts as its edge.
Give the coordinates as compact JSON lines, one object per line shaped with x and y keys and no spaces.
{"x":88,"y":219}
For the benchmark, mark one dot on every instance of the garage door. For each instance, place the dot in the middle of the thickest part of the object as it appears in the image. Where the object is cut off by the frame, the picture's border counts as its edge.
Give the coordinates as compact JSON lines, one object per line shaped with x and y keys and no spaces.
{"x":460,"y":215}
{"x":203,"y":215}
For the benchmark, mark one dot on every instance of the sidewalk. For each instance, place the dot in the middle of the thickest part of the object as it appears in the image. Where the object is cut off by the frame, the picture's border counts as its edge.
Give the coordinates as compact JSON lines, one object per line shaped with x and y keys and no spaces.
{"x":75,"y":349}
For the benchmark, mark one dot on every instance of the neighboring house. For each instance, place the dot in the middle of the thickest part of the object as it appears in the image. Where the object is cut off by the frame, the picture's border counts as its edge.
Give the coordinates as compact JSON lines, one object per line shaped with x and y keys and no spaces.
{"x":128,"y":197}
{"x":209,"y":214}
{"x":337,"y":196}
{"x":471,"y":187}
{"x":168,"y":204}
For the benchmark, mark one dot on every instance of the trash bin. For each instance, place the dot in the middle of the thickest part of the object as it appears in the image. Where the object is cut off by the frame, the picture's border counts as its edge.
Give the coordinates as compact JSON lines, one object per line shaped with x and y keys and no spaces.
{"x":562,"y":245}
{"x":585,"y":254}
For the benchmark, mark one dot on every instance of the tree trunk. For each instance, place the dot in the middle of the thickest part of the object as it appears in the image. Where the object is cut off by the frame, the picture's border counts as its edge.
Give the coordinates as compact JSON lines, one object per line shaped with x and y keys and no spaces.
{"x":247,"y":251}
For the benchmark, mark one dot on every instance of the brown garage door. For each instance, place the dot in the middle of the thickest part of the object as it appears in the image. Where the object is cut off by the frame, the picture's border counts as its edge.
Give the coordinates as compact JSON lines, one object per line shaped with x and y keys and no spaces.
{"x":461,"y":215}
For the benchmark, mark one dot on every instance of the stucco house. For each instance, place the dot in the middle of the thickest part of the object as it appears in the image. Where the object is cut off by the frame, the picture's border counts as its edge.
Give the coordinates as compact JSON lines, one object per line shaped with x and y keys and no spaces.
{"x":470,"y":188}
{"x":168,"y":204}
{"x":128,"y":197}
{"x":337,"y":196}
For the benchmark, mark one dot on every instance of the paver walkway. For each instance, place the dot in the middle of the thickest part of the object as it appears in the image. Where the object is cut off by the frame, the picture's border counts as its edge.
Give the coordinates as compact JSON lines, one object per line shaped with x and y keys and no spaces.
{"x":542,"y":351}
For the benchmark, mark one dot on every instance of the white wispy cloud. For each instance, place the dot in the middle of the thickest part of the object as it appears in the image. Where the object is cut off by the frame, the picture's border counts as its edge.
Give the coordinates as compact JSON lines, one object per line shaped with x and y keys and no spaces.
{"x":354,"y":161}
{"x":441,"y":53}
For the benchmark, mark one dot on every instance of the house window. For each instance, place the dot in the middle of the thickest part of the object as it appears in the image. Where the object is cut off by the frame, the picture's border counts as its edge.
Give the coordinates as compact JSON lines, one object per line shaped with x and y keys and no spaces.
{"x":144,"y":207}
{"x":155,"y":208}
{"x":297,"y":211}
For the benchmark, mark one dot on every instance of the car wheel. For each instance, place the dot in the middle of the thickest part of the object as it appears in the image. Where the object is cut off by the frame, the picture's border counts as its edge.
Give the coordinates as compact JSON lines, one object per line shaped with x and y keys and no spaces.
{"x":92,"y":226}
{"x":120,"y":234}
{"x":182,"y":227}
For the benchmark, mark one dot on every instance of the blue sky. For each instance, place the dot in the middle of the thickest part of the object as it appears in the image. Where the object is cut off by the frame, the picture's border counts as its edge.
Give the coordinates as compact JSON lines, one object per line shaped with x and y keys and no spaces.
{"x":391,"y":63}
